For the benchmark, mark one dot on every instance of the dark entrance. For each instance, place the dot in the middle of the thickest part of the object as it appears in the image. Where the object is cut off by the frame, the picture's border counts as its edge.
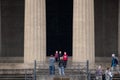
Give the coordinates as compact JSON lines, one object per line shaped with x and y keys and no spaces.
{"x":59,"y":15}
{"x":106,"y":27}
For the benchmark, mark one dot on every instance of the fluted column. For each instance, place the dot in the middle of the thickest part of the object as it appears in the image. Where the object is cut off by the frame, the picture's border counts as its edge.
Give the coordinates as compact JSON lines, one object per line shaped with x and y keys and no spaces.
{"x":35,"y":31}
{"x":0,"y":31}
{"x":83,"y":31}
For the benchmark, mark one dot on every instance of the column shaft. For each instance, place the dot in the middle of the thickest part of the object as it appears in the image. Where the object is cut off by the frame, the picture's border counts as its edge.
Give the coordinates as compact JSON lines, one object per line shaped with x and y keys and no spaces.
{"x":83,"y":31}
{"x":0,"y":31}
{"x":35,"y":31}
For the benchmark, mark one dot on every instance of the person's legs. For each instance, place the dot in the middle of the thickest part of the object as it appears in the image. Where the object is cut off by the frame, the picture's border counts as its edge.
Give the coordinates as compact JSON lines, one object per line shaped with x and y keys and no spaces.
{"x":62,"y":70}
{"x":53,"y":69}
{"x":112,"y":69}
{"x":65,"y":63}
{"x":56,"y":59}
{"x":97,"y":77}
{"x":50,"y":69}
{"x":110,"y":78}
{"x":59,"y":70}
{"x":100,"y":77}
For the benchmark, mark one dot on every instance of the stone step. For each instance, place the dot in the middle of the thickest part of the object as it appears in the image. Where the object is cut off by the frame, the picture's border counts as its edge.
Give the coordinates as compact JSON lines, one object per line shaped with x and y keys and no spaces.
{"x":15,"y":77}
{"x":16,"y":74}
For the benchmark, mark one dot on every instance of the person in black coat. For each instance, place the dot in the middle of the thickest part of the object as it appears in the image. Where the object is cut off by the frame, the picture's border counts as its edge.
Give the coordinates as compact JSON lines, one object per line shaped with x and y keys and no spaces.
{"x":61,"y":66}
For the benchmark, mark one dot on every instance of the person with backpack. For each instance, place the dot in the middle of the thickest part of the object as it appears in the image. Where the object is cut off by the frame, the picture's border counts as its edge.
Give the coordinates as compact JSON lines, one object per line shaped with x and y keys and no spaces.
{"x":114,"y":62}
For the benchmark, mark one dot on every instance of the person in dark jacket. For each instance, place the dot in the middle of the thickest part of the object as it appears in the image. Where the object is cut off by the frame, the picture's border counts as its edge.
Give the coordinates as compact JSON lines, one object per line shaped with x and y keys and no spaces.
{"x":61,"y":66}
{"x":114,"y":62}
{"x":59,"y":55}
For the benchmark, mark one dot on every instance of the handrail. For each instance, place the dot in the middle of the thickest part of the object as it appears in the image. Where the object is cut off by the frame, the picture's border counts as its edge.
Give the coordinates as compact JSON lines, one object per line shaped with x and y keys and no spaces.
{"x":72,"y":67}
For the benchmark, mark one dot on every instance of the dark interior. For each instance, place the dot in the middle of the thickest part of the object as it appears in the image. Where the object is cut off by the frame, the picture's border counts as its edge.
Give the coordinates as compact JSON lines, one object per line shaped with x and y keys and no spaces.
{"x":59,"y":15}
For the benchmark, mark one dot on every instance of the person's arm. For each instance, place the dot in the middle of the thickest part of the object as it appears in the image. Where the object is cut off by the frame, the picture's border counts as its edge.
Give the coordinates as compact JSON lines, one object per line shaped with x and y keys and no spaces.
{"x":110,"y":74}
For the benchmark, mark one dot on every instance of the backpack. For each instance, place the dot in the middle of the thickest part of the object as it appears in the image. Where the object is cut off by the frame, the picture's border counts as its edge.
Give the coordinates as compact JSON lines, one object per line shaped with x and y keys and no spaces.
{"x":116,"y":61}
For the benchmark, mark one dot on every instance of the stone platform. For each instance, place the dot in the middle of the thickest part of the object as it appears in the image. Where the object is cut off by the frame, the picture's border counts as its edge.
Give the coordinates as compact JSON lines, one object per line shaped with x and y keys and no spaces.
{"x":17,"y":63}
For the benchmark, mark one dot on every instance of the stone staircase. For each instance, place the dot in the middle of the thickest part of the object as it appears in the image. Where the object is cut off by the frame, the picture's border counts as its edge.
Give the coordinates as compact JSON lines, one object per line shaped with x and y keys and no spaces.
{"x":74,"y":71}
{"x":16,"y":74}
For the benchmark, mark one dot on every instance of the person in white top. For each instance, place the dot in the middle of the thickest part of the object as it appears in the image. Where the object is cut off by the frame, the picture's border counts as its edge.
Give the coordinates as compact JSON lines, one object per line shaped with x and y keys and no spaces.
{"x":108,"y":74}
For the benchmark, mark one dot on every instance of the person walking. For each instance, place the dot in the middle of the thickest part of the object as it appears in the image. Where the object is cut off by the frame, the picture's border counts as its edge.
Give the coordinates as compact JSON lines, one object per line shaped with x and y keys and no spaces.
{"x":114,"y":62}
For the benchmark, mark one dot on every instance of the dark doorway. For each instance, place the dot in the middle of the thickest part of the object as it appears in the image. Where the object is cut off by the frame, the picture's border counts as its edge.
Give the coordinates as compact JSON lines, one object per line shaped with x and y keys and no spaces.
{"x":106,"y":27}
{"x":59,"y":15}
{"x":12,"y":28}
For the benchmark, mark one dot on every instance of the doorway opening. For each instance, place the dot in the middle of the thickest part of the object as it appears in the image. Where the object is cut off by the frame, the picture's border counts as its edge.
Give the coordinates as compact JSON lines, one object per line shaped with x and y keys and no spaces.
{"x":59,"y":16}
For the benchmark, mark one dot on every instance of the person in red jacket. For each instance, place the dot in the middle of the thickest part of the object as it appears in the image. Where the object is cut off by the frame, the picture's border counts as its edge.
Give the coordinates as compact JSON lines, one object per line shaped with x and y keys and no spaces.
{"x":65,"y":59}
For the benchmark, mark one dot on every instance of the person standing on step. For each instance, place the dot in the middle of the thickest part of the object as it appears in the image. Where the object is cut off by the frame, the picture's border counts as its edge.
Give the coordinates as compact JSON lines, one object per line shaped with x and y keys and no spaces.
{"x":99,"y":73}
{"x":59,"y":55}
{"x":52,"y":65}
{"x":65,"y":59}
{"x":108,"y":74}
{"x":61,"y":66}
{"x":56,"y":56}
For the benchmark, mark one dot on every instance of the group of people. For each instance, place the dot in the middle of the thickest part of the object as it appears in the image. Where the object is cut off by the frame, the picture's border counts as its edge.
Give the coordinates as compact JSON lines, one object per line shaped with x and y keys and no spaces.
{"x":109,"y":72}
{"x":61,"y":60}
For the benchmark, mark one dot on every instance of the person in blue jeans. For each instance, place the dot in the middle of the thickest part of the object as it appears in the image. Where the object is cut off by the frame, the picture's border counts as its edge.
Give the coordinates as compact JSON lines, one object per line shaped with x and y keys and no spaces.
{"x":61,"y":66}
{"x":52,"y":65}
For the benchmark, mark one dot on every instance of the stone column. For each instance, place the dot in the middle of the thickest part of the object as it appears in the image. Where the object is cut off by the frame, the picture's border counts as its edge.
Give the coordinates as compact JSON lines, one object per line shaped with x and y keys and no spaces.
{"x":0,"y":31}
{"x":83,"y":31}
{"x":35,"y":31}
